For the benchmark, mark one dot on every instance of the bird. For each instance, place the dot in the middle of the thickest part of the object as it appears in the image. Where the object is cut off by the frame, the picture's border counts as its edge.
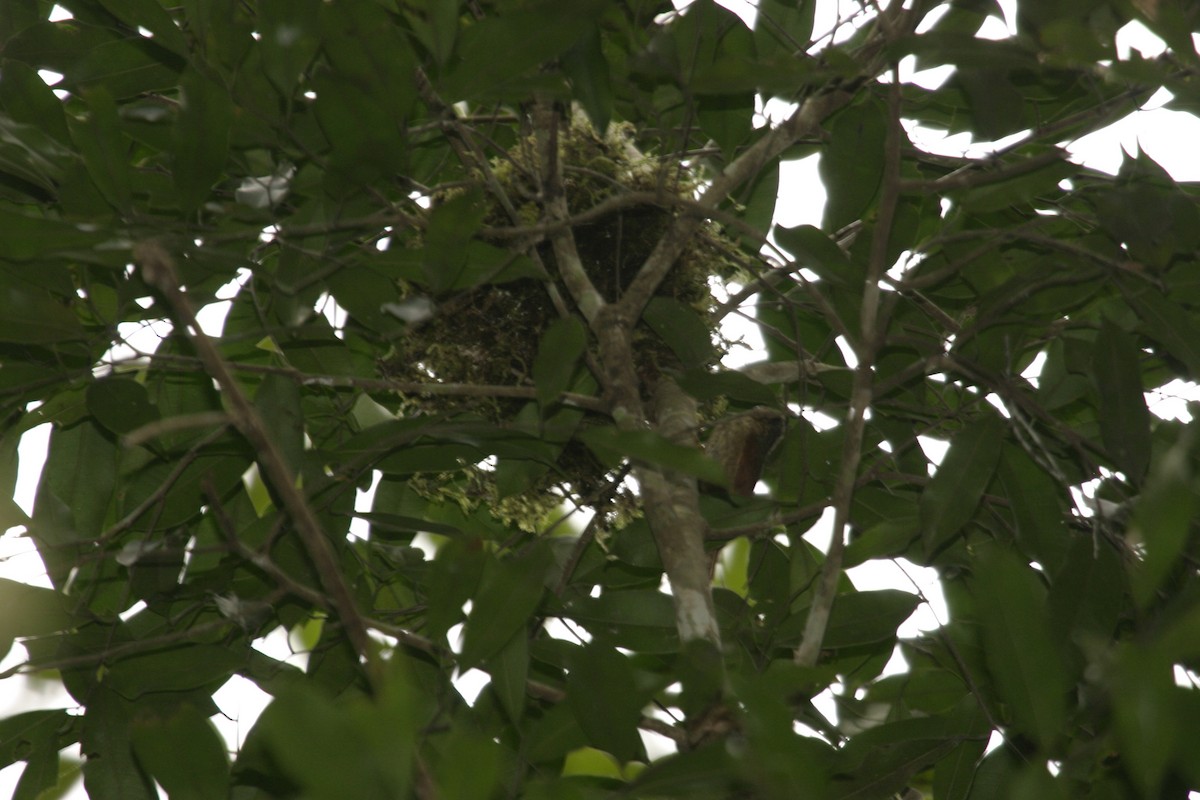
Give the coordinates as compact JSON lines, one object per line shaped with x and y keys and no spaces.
{"x":741,"y":443}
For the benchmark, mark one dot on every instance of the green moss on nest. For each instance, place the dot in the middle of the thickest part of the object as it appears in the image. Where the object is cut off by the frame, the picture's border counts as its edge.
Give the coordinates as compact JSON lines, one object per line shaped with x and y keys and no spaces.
{"x":491,"y":334}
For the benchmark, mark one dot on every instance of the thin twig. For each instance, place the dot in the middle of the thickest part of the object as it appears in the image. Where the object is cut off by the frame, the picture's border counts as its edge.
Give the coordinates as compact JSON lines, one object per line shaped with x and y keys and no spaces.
{"x":866,"y":347}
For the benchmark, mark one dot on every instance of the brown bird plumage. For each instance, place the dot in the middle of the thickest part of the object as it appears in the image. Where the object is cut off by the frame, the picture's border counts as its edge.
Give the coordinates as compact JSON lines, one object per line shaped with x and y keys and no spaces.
{"x":741,"y":444}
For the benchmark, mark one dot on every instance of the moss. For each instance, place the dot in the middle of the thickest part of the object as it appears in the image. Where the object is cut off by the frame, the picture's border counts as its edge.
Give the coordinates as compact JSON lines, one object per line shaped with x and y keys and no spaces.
{"x":491,"y":334}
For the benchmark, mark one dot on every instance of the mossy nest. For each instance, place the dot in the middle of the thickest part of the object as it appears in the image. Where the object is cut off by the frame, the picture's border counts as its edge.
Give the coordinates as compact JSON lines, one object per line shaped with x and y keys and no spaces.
{"x":490,"y":334}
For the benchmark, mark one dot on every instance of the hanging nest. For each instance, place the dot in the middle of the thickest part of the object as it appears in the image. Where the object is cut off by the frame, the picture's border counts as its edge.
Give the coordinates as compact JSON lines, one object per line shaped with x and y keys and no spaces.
{"x":490,"y":334}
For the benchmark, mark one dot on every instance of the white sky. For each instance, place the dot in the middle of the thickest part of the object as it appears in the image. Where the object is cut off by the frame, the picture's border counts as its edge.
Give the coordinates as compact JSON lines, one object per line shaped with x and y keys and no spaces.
{"x":1168,"y":137}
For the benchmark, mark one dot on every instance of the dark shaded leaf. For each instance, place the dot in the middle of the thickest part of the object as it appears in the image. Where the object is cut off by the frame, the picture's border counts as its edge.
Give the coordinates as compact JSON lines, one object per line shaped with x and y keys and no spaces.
{"x":183,"y":752}
{"x":1124,"y":417}
{"x":612,"y":445}
{"x":1022,"y":654}
{"x":559,"y":351}
{"x":201,"y":137}
{"x":852,"y":166}
{"x":601,"y":692}
{"x":508,"y":593}
{"x":950,"y":499}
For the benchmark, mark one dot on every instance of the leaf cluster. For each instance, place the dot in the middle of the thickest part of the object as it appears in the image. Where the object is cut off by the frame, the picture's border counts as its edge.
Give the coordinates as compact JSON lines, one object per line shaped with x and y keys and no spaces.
{"x":315,"y":167}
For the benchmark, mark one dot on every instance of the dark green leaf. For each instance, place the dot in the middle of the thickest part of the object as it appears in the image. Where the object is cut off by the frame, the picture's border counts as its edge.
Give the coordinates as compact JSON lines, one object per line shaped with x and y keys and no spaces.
{"x":30,"y":611}
{"x":852,"y":165}
{"x":588,"y":70}
{"x":1022,"y":654}
{"x":173,"y":670}
{"x":559,"y":351}
{"x":110,"y":771}
{"x":509,"y":670}
{"x":34,"y":237}
{"x":183,"y":752}
{"x":813,"y":249}
{"x":682,"y":328}
{"x":121,"y":405}
{"x":955,"y":773}
{"x":498,"y":49}
{"x":640,"y":619}
{"x":153,"y":17}
{"x":201,"y":137}
{"x":601,"y":691}
{"x":1124,"y":418}
{"x":508,"y":594}
{"x":612,"y":445}
{"x":104,"y":148}
{"x":950,"y":499}
{"x":278,"y":403}
{"x":383,"y":523}
{"x":291,"y":34}
{"x":1163,"y":520}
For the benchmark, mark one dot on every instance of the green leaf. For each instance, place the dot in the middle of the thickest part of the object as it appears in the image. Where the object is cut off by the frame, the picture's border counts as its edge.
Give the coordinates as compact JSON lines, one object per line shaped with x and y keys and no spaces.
{"x":31,"y":155}
{"x":508,"y":594}
{"x":472,"y":766}
{"x":291,"y":35}
{"x":173,"y":670}
{"x":601,"y":691}
{"x":729,"y":120}
{"x":27,"y":238}
{"x":201,"y":137}
{"x":1162,"y":519}
{"x":881,"y":760}
{"x":813,"y":249}
{"x":637,"y":619}
{"x":955,"y":773}
{"x":104,"y":148}
{"x":588,"y":71}
{"x":860,"y":618}
{"x":32,"y":316}
{"x":30,"y":611}
{"x":383,"y":523}
{"x":348,"y":747}
{"x":110,"y":771}
{"x":1021,"y":651}
{"x":949,"y":501}
{"x":705,"y":385}
{"x":1167,"y":322}
{"x":121,"y":405}
{"x":851,"y":166}
{"x":612,"y":445}
{"x":153,"y":17}
{"x":1124,"y":417}
{"x":41,"y":773}
{"x":450,"y":228}
{"x":1089,"y":594}
{"x":509,"y":670}
{"x":682,"y":328}
{"x":499,"y":49}
{"x":784,"y":28}
{"x":559,"y":351}
{"x":183,"y":752}
{"x":278,"y":403}
{"x":1150,"y":722}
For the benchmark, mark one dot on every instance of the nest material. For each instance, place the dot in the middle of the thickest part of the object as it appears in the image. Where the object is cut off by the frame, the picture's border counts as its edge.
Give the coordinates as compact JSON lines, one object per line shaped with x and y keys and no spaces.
{"x":491,"y":334}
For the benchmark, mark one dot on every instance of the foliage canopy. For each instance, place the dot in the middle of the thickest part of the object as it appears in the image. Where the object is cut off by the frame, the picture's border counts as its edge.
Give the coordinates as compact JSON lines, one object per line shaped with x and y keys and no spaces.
{"x":466,"y":250}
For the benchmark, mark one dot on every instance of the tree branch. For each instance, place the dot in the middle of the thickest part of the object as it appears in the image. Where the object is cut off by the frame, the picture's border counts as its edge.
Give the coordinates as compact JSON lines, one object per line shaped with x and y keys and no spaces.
{"x":158,"y":270}
{"x":809,"y":650}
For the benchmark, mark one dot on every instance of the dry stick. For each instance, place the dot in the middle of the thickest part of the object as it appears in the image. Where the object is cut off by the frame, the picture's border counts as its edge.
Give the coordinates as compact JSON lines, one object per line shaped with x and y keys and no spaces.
{"x":809,"y":650}
{"x":158,"y":270}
